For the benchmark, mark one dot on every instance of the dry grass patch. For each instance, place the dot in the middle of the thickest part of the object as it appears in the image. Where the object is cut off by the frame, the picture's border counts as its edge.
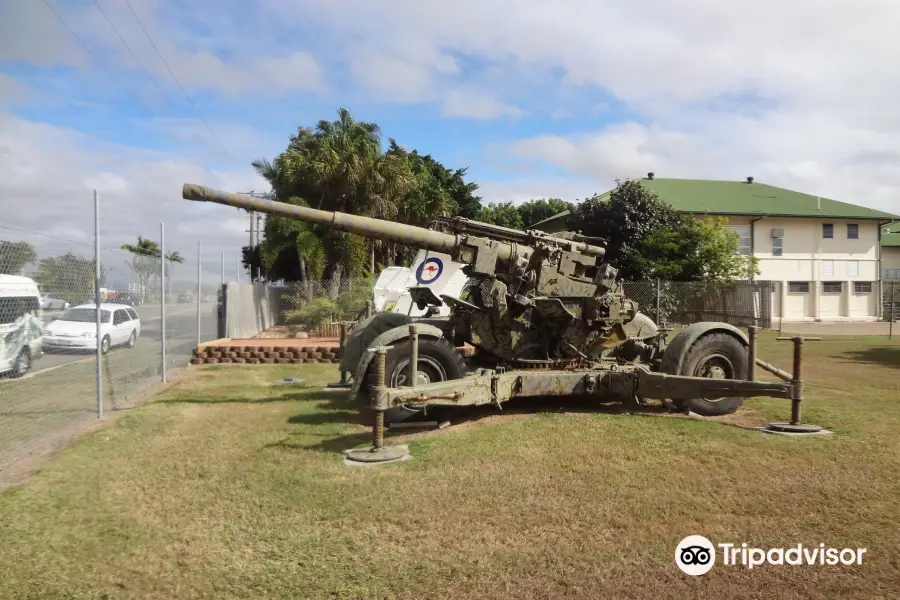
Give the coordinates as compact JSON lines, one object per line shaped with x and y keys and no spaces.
{"x":232,"y":487}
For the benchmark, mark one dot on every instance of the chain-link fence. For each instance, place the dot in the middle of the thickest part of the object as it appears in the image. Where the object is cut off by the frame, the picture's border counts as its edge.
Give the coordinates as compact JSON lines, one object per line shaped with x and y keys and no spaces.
{"x":58,"y":369}
{"x":316,"y":309}
{"x":677,"y":303}
{"x":312,"y":309}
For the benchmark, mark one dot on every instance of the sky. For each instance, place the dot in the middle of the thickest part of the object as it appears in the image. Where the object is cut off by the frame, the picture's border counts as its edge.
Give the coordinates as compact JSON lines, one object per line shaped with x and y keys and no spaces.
{"x":134,"y":98}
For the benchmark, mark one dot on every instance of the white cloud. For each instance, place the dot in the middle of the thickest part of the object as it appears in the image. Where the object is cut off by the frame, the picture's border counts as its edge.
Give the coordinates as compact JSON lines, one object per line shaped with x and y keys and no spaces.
{"x":33,"y":34}
{"x":46,"y":180}
{"x":467,"y":102}
{"x":267,"y":75}
{"x":11,"y":89}
{"x":520,"y":190}
{"x":792,"y":150}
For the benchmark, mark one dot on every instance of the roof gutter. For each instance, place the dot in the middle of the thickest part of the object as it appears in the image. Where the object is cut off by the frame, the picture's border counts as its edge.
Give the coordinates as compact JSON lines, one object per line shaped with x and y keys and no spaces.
{"x":843,"y":217}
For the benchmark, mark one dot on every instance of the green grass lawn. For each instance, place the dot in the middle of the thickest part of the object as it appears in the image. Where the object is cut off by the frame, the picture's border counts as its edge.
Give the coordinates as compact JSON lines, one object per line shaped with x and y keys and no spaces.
{"x":232,"y":487}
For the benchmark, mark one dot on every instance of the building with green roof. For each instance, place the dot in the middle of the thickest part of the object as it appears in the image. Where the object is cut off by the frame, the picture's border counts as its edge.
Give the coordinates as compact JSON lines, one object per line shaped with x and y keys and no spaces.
{"x":890,"y":251}
{"x":824,"y":254}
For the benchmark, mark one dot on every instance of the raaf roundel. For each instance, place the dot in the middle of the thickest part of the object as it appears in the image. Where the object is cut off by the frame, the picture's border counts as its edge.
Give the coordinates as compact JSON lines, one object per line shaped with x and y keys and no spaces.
{"x":429,"y":271}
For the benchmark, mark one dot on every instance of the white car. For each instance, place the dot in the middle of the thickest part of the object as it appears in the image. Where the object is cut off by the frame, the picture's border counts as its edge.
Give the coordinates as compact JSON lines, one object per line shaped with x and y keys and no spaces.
{"x":76,"y":329}
{"x":53,"y":302}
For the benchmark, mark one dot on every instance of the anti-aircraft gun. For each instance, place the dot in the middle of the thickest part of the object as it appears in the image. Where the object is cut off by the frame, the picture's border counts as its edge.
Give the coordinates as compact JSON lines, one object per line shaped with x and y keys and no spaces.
{"x":543,"y":317}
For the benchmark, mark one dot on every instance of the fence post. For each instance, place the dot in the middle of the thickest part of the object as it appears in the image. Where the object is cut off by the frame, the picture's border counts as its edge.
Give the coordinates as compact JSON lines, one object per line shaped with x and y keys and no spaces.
{"x":199,"y":293}
{"x":658,"y":293}
{"x":162,"y":295}
{"x":893,"y":300}
{"x":97,"y":303}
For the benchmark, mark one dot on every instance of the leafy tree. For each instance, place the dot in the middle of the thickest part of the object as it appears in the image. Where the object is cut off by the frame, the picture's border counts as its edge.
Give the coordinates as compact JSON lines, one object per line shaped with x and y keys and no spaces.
{"x":14,"y":256}
{"x":647,"y":238}
{"x":697,"y":250}
{"x":505,"y":214}
{"x":68,"y":276}
{"x":625,"y":219}
{"x":536,"y":210}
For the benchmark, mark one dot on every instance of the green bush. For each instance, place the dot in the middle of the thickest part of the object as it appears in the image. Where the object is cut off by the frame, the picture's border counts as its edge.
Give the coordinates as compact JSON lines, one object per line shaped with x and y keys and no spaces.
{"x":313,"y":314}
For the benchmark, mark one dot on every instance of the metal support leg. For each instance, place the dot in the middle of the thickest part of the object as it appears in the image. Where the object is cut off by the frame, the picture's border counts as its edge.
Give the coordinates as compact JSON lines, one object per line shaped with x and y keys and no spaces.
{"x":797,"y":395}
{"x":378,"y":427}
{"x":343,"y":342}
{"x":413,"y":356}
{"x":795,"y":427}
{"x":378,"y":453}
{"x":751,"y":367}
{"x":343,"y":383}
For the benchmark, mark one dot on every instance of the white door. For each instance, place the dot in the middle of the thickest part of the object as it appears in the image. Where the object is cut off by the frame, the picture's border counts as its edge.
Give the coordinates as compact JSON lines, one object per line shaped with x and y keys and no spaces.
{"x":121,"y":327}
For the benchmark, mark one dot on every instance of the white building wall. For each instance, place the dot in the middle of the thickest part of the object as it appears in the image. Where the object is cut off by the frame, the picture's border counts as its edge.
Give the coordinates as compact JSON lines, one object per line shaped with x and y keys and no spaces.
{"x":806,"y":256}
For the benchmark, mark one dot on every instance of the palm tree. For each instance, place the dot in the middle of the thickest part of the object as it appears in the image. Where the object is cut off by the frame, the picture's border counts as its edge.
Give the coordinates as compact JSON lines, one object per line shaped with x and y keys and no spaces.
{"x":175,"y":257}
{"x":144,"y":262}
{"x":336,"y":166}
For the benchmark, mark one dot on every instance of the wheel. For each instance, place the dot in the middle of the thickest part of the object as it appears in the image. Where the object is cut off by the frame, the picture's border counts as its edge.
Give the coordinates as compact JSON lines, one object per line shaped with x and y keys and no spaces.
{"x":717,"y":356}
{"x":439,"y":360}
{"x":132,"y":340}
{"x":105,"y":344}
{"x":22,"y":364}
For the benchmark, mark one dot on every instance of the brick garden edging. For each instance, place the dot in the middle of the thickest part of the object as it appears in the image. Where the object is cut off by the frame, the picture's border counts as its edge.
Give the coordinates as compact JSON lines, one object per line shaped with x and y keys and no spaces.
{"x":265,"y":354}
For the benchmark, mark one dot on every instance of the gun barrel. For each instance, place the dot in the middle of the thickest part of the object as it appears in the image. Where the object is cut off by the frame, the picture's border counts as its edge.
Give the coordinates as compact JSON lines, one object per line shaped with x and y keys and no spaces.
{"x":365,"y":226}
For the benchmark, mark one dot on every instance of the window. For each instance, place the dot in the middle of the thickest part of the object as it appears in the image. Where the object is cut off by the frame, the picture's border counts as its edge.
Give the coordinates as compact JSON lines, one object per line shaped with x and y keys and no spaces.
{"x":852,"y":231}
{"x":777,"y":247}
{"x":84,"y":315}
{"x":798,"y":287}
{"x":832,"y":287}
{"x":862,"y":287}
{"x":827,"y":268}
{"x":743,"y":232}
{"x":120,"y":317}
{"x":133,"y":314}
{"x":853,"y":268}
{"x":827,"y":230}
{"x":14,"y":308}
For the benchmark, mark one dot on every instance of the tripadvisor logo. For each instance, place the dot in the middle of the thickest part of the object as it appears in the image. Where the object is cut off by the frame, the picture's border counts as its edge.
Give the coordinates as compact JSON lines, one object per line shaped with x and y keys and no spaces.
{"x":696,"y":555}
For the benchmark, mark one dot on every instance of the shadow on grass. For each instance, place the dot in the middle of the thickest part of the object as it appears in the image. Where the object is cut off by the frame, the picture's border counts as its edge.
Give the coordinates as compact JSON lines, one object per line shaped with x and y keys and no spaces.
{"x":889,"y":356}
{"x":329,"y":443}
{"x":333,"y":398}
{"x":339,"y":409}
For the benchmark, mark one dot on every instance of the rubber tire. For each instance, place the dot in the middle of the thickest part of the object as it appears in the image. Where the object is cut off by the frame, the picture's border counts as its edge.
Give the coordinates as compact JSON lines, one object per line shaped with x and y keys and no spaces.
{"x":133,"y":339}
{"x":105,"y":343}
{"x":737,"y":354}
{"x":16,"y":373}
{"x":440,"y":349}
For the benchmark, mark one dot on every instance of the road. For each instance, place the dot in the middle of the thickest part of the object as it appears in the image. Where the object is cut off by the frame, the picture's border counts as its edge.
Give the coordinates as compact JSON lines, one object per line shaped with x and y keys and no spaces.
{"x":181,"y":325}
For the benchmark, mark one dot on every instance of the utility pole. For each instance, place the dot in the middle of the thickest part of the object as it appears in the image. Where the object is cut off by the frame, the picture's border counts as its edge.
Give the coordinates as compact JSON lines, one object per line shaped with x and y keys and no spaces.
{"x":255,"y":220}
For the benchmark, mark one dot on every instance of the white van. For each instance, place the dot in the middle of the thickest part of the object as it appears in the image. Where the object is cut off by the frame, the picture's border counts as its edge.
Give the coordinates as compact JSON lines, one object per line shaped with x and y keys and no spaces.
{"x":21,"y":324}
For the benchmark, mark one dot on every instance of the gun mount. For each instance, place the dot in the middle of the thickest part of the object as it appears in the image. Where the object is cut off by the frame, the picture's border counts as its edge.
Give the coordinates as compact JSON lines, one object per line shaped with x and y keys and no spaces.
{"x":542,"y":316}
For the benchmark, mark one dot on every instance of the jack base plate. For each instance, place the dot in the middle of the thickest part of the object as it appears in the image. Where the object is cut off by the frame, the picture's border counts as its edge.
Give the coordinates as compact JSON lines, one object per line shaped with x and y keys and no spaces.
{"x":795,"y":429}
{"x":366,"y":456}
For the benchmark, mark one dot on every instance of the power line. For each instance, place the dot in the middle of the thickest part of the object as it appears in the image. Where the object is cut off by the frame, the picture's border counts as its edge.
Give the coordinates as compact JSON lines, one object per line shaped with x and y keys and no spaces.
{"x":178,"y":83}
{"x":109,"y":73}
{"x":133,"y":55}
{"x":53,"y":237}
